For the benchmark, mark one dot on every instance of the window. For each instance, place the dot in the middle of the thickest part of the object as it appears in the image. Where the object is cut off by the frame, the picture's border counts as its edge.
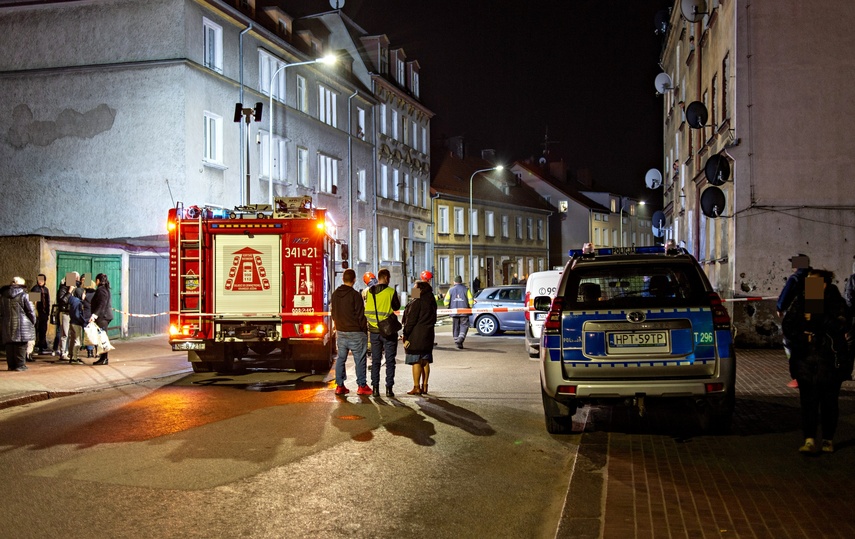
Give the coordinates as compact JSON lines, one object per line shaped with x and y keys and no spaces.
{"x":459,"y":266}
{"x":399,"y":75}
{"x":426,"y":194}
{"x":361,"y":185}
{"x":442,"y":221}
{"x":424,"y":140}
{"x":459,"y":226}
{"x":415,"y":134}
{"x":360,"y":123}
{"x":384,"y":61}
{"x":519,"y":227}
{"x":529,"y":228}
{"x":489,"y":224}
{"x":597,"y":217}
{"x":302,"y":95}
{"x":406,"y":188}
{"x":416,"y":192}
{"x":596,"y":236}
{"x":279,"y":169}
{"x":327,"y":106}
{"x":213,"y":138}
{"x":473,"y":220}
{"x":405,"y":132}
{"x":606,"y":237}
{"x":713,"y":92}
{"x":267,"y":66}
{"x":725,"y":74}
{"x":540,"y":230}
{"x":327,"y":174}
{"x":213,"y":45}
{"x":383,"y":118}
{"x":396,"y":244}
{"x":505,"y":226}
{"x":384,"y":243}
{"x":384,"y":181}
{"x":443,"y":270}
{"x":414,"y":83}
{"x":395,"y":123}
{"x":362,"y":244}
{"x":615,"y":238}
{"x":303,"y":167}
{"x":562,"y":206}
{"x":396,"y":184}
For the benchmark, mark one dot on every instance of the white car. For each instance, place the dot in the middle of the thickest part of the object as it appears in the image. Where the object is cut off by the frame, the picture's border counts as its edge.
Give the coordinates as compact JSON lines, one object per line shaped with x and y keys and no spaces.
{"x":540,"y":283}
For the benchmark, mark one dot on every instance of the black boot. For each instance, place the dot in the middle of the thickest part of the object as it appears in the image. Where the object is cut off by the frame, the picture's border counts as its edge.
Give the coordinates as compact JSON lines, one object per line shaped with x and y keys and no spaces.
{"x":102,"y":359}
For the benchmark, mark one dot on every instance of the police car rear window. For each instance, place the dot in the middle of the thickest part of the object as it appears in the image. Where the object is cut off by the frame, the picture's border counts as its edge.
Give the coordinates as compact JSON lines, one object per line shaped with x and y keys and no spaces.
{"x":616,"y":285}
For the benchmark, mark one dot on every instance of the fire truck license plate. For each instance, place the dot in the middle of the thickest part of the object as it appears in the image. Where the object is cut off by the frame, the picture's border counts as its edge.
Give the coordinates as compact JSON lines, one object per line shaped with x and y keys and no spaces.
{"x":176,"y":346}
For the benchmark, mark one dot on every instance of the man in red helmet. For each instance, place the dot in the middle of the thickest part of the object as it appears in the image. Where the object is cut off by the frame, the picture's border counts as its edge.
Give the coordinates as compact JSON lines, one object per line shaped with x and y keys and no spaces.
{"x":426,"y":276}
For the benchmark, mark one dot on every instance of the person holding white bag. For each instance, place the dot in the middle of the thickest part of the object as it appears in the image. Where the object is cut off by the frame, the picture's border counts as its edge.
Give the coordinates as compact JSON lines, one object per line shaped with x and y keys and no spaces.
{"x":80,"y":315}
{"x":102,"y":312}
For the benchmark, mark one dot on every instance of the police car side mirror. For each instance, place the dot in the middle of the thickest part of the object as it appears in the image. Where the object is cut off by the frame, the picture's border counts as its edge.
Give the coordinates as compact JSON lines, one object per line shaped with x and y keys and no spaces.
{"x":542,"y":303}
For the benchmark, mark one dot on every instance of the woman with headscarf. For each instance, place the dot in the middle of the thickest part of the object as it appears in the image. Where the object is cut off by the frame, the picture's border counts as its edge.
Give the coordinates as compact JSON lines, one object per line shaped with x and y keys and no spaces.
{"x":102,"y":310}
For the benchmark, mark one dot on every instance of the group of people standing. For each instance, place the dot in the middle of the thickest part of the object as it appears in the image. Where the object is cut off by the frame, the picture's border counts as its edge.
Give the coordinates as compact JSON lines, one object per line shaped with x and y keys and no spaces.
{"x":359,"y":318}
{"x":24,"y":324}
{"x":819,"y":340}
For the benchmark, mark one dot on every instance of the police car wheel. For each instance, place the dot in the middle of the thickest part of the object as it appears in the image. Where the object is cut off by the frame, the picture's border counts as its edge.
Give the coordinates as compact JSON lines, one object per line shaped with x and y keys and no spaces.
{"x":556,"y":421}
{"x":487,"y":325}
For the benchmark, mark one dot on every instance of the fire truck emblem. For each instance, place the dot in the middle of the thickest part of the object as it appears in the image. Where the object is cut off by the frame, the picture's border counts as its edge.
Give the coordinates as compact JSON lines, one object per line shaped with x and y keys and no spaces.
{"x":305,"y":287}
{"x":191,"y":281}
{"x":247,"y":273}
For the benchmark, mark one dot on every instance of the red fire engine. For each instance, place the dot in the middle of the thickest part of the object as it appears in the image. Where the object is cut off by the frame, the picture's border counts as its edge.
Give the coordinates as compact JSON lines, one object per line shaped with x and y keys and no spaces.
{"x":256,"y":278}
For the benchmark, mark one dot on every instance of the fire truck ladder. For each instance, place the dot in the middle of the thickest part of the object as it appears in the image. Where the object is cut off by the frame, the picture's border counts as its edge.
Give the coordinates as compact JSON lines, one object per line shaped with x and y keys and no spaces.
{"x":188,"y":314}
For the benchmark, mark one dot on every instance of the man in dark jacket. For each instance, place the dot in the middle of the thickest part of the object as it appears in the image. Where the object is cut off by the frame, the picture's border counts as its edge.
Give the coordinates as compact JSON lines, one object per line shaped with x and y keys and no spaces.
{"x":17,"y":324}
{"x":380,"y":302}
{"x":348,"y":314}
{"x":42,"y":313}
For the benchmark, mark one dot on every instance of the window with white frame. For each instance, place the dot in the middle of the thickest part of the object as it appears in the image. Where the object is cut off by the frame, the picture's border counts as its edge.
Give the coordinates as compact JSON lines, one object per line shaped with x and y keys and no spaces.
{"x":540,"y":229}
{"x":459,"y":266}
{"x":213,"y":45}
{"x":327,"y":173}
{"x":426,"y":194}
{"x":596,"y":236}
{"x":519,"y":227}
{"x":303,"y":167}
{"x":302,"y":94}
{"x":442,"y":220}
{"x":529,"y":228}
{"x":606,"y":237}
{"x":414,"y":83}
{"x":384,"y":243}
{"x":267,"y":66}
{"x":362,"y":244}
{"x":505,"y":227}
{"x":424,"y":140}
{"x":383,"y":118}
{"x":405,"y":135}
{"x":395,"y":123}
{"x":416,"y":191}
{"x":396,"y":244}
{"x":459,"y":226}
{"x":384,"y":181}
{"x":402,"y":80}
{"x":327,"y":106}
{"x":489,"y":224}
{"x":213,"y":138}
{"x":396,"y":184}
{"x":443,"y":270}
{"x":361,"y":185}
{"x":279,"y":164}
{"x":360,"y":123}
{"x":473,"y":221}
{"x":406,"y":188}
{"x":414,"y":130}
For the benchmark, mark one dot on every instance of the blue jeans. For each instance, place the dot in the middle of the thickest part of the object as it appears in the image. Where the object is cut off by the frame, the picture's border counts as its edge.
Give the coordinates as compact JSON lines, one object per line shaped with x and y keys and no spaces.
{"x":383,"y":346}
{"x":356,"y":342}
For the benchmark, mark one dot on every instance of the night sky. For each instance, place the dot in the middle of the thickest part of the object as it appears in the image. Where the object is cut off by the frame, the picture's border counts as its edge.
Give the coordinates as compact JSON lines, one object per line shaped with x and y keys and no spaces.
{"x":502,"y":73}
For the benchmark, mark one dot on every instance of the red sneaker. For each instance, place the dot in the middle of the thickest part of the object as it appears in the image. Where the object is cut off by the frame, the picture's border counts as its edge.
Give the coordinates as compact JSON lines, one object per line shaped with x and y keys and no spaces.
{"x":364,"y":390}
{"x":341,"y":390}
{"x":793,"y":383}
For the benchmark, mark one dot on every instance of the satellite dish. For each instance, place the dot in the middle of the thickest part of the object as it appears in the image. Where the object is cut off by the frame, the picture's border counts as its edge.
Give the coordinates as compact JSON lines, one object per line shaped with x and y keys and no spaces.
{"x":693,"y":10}
{"x":658,"y":223}
{"x":697,"y":115}
{"x":653,"y":179}
{"x":661,"y":21}
{"x":662,"y":83}
{"x":712,"y":202}
{"x":542,"y":161}
{"x":337,"y":4}
{"x":717,"y":169}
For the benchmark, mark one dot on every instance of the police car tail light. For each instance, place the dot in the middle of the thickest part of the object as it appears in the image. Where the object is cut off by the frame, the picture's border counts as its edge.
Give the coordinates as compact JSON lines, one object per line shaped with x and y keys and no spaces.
{"x":527,"y":304}
{"x":553,"y":318}
{"x":566,"y":390}
{"x":721,"y":319}
{"x":716,"y":387}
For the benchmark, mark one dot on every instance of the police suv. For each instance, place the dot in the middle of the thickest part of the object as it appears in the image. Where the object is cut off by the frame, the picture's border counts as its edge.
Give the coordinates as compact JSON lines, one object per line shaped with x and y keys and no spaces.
{"x":628,"y":324}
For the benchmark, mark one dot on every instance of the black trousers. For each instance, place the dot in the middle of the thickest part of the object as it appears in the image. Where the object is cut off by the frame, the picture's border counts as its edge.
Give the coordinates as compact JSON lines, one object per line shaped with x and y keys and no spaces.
{"x":41,"y":330}
{"x":819,"y":404}
{"x":16,"y":355}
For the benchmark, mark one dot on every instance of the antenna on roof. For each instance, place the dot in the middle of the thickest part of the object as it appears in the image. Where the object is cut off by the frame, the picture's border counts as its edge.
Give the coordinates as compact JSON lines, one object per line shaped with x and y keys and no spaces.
{"x":547,"y":142}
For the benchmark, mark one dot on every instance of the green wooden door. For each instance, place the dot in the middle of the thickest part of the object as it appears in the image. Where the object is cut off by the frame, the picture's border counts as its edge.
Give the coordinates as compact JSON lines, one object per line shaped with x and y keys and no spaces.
{"x":109,"y":265}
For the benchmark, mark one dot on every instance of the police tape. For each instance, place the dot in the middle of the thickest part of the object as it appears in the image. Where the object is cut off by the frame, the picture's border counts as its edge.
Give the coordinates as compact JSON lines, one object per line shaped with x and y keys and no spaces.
{"x":141,"y":315}
{"x":751,"y":298}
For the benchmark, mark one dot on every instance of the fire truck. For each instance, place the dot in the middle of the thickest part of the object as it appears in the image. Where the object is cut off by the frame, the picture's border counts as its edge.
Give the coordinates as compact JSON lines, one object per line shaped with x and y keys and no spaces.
{"x":255,"y":278}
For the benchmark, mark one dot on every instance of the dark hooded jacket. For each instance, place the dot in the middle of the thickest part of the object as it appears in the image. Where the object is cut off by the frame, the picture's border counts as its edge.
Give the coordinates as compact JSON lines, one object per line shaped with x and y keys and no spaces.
{"x":348,"y":310}
{"x":17,"y":316}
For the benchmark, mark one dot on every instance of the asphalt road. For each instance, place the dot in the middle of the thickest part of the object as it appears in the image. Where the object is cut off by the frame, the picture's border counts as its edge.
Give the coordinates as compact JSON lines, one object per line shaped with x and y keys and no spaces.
{"x":277,"y":454}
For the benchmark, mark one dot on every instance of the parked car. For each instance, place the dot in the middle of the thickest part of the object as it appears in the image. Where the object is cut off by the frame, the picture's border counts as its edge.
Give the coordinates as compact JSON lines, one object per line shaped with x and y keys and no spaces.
{"x":539,"y":283}
{"x":499,"y":296}
{"x":633,"y":324}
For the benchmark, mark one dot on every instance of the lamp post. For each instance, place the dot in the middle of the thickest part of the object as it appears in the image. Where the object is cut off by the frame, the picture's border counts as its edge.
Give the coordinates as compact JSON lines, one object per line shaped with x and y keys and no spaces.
{"x":472,"y":177}
{"x":328,"y":59}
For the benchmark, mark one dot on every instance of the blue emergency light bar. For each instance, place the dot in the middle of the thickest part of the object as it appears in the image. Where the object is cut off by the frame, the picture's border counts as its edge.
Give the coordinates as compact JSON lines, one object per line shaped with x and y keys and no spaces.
{"x":606,"y":251}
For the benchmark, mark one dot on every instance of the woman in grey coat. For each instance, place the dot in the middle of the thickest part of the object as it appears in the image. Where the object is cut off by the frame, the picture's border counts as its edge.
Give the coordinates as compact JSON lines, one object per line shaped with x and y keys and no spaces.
{"x":17,"y":323}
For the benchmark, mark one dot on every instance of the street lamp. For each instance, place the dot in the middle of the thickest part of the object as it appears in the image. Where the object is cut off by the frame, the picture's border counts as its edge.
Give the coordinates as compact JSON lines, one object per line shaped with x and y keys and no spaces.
{"x":328,"y":59}
{"x":472,"y":177}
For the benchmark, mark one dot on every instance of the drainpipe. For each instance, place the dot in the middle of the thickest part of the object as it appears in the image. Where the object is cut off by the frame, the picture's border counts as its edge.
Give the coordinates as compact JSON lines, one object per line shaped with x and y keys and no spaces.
{"x":376,"y":159}
{"x":350,"y":176}
{"x":242,"y":127}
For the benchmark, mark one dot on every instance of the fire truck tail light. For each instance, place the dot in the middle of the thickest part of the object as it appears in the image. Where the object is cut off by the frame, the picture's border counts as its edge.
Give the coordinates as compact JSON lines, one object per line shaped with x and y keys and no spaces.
{"x":320,"y":225}
{"x":170,"y":226}
{"x":173,"y":330}
{"x":309,"y":329}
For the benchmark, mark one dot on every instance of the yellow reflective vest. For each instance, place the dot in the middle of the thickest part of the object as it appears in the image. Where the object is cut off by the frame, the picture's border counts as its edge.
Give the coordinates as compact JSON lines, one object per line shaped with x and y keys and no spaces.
{"x":383,"y":306}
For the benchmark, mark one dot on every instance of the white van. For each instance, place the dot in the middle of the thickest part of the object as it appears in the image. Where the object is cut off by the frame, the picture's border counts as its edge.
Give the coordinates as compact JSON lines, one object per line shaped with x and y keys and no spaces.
{"x":540,"y":283}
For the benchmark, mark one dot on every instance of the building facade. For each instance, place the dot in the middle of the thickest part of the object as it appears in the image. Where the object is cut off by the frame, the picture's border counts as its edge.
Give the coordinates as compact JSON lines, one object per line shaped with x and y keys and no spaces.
{"x":761,"y":175}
